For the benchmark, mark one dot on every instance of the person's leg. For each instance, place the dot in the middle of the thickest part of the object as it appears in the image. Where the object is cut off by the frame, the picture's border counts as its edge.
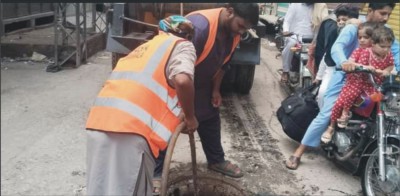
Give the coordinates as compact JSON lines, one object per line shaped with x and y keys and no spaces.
{"x":117,"y":164}
{"x":335,"y":114}
{"x":327,"y":135}
{"x":344,"y":118}
{"x":321,"y":69}
{"x":158,"y":172}
{"x":210,"y":135}
{"x":144,"y":182}
{"x":353,"y":91}
{"x":339,"y":105}
{"x":319,"y":124}
{"x":314,"y":132}
{"x":300,"y":150}
{"x":159,"y":163}
{"x":294,"y":160}
{"x":287,"y":56}
{"x":326,"y":78}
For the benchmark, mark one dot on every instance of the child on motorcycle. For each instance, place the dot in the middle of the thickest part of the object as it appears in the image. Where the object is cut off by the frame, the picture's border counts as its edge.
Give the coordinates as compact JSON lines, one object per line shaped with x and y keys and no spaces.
{"x":373,"y":54}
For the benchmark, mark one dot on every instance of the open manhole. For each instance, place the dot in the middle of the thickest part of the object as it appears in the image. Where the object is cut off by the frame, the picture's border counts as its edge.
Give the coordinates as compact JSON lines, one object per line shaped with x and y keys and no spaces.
{"x":207,"y":186}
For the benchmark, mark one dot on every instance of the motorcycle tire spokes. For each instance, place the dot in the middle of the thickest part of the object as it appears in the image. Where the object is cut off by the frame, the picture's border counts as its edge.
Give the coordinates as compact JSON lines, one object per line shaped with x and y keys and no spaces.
{"x":370,"y":180}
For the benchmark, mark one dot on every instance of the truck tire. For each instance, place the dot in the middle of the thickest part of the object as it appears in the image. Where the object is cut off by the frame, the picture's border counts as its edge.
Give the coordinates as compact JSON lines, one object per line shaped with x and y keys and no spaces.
{"x":244,"y":78}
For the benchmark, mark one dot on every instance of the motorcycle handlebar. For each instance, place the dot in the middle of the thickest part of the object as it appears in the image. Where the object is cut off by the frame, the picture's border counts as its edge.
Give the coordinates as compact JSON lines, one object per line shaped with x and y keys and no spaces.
{"x":282,"y":35}
{"x":359,"y":69}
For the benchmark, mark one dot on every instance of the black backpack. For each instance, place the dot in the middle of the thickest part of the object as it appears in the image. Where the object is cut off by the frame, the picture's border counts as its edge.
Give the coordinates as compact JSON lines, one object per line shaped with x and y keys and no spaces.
{"x":297,"y":111}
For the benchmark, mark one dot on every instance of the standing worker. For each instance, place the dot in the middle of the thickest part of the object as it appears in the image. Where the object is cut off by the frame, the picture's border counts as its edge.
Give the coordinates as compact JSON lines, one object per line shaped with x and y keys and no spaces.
{"x":137,"y":111}
{"x":216,"y":35}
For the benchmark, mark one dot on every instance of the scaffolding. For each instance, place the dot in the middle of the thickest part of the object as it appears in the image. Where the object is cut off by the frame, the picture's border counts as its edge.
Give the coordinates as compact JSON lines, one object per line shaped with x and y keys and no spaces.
{"x":71,"y":32}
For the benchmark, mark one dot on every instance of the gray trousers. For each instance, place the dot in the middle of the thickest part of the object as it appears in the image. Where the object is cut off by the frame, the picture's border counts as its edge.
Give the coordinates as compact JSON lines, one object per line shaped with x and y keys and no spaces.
{"x":287,"y":54}
{"x":118,"y":164}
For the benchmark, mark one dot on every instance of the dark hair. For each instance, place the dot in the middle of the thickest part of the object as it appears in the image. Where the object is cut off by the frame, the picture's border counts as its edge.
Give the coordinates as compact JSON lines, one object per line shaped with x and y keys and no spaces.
{"x":368,"y":27}
{"x":382,"y":34}
{"x":378,"y":6}
{"x":247,"y":11}
{"x":347,"y":10}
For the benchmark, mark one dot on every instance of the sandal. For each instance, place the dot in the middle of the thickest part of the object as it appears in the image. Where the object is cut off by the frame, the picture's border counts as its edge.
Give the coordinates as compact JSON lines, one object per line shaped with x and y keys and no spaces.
{"x":285,"y":77}
{"x":293,"y":162}
{"x":327,"y":136}
{"x":156,"y":186}
{"x":227,"y":168}
{"x":343,"y":121}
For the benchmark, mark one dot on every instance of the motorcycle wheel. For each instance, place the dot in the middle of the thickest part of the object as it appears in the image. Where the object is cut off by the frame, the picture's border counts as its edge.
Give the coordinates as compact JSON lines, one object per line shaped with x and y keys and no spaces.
{"x":307,"y":82}
{"x":371,"y":185}
{"x":279,"y":43}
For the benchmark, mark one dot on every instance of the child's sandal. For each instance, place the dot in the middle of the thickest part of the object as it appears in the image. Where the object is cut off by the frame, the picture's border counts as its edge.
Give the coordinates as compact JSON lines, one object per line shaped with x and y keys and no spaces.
{"x":327,"y":135}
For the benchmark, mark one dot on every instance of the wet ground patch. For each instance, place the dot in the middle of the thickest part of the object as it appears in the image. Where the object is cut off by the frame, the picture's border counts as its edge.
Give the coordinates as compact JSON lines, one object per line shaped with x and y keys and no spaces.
{"x":256,"y":150}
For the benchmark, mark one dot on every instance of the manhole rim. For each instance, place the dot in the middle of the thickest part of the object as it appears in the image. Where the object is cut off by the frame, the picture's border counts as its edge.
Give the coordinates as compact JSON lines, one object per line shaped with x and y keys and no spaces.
{"x":207,"y":176}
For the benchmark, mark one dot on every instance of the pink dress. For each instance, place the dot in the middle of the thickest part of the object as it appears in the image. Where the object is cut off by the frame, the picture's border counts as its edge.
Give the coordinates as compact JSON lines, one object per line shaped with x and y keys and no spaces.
{"x":356,"y":83}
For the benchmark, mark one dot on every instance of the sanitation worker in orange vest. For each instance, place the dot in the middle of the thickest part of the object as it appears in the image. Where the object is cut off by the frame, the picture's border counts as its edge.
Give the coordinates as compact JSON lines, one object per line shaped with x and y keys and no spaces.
{"x":216,"y":35}
{"x":148,"y":94}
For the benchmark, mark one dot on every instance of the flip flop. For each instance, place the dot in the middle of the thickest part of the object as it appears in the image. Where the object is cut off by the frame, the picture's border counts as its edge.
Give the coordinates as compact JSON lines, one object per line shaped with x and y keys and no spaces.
{"x":227,"y":168}
{"x":293,"y":162}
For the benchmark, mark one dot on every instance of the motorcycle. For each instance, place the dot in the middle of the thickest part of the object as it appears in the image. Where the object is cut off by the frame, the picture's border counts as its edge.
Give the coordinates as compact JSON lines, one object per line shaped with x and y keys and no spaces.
{"x":370,"y":144}
{"x":300,"y":75}
{"x":279,"y":38}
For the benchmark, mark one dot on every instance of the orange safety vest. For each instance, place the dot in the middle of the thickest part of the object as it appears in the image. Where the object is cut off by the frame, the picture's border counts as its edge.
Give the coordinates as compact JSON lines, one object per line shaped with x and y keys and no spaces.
{"x":137,"y":98}
{"x":212,"y":16}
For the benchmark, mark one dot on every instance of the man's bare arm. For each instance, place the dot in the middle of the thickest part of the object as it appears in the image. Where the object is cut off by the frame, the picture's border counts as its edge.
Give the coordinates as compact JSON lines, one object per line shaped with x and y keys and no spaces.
{"x":184,"y":86}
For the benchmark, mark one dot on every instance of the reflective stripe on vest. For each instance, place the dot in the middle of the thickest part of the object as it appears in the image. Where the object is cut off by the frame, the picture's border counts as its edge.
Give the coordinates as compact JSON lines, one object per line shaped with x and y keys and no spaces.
{"x":212,"y":16}
{"x":148,"y":82}
{"x":154,"y":115}
{"x":144,"y":80}
{"x":136,"y":111}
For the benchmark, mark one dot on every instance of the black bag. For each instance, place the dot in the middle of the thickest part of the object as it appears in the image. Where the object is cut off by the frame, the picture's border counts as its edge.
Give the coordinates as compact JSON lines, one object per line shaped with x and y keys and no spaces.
{"x":297,"y":111}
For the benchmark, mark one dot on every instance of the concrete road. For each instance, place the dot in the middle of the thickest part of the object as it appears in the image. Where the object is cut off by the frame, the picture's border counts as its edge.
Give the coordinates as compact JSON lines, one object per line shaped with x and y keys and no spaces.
{"x":43,"y":137}
{"x":42,"y":126}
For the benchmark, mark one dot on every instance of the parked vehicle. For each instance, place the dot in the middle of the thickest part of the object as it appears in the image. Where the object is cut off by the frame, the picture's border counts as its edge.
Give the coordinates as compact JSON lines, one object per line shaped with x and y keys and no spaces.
{"x":299,"y":75}
{"x":370,"y":145}
{"x":279,"y":38}
{"x":132,"y":24}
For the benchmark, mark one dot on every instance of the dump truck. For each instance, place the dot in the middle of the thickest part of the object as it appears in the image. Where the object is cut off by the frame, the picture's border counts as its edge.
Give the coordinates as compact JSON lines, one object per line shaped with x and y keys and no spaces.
{"x":131,"y":24}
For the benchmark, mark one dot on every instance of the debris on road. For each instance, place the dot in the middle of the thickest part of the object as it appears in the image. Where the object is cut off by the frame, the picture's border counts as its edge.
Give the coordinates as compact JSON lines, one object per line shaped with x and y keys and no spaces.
{"x":38,"y":57}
